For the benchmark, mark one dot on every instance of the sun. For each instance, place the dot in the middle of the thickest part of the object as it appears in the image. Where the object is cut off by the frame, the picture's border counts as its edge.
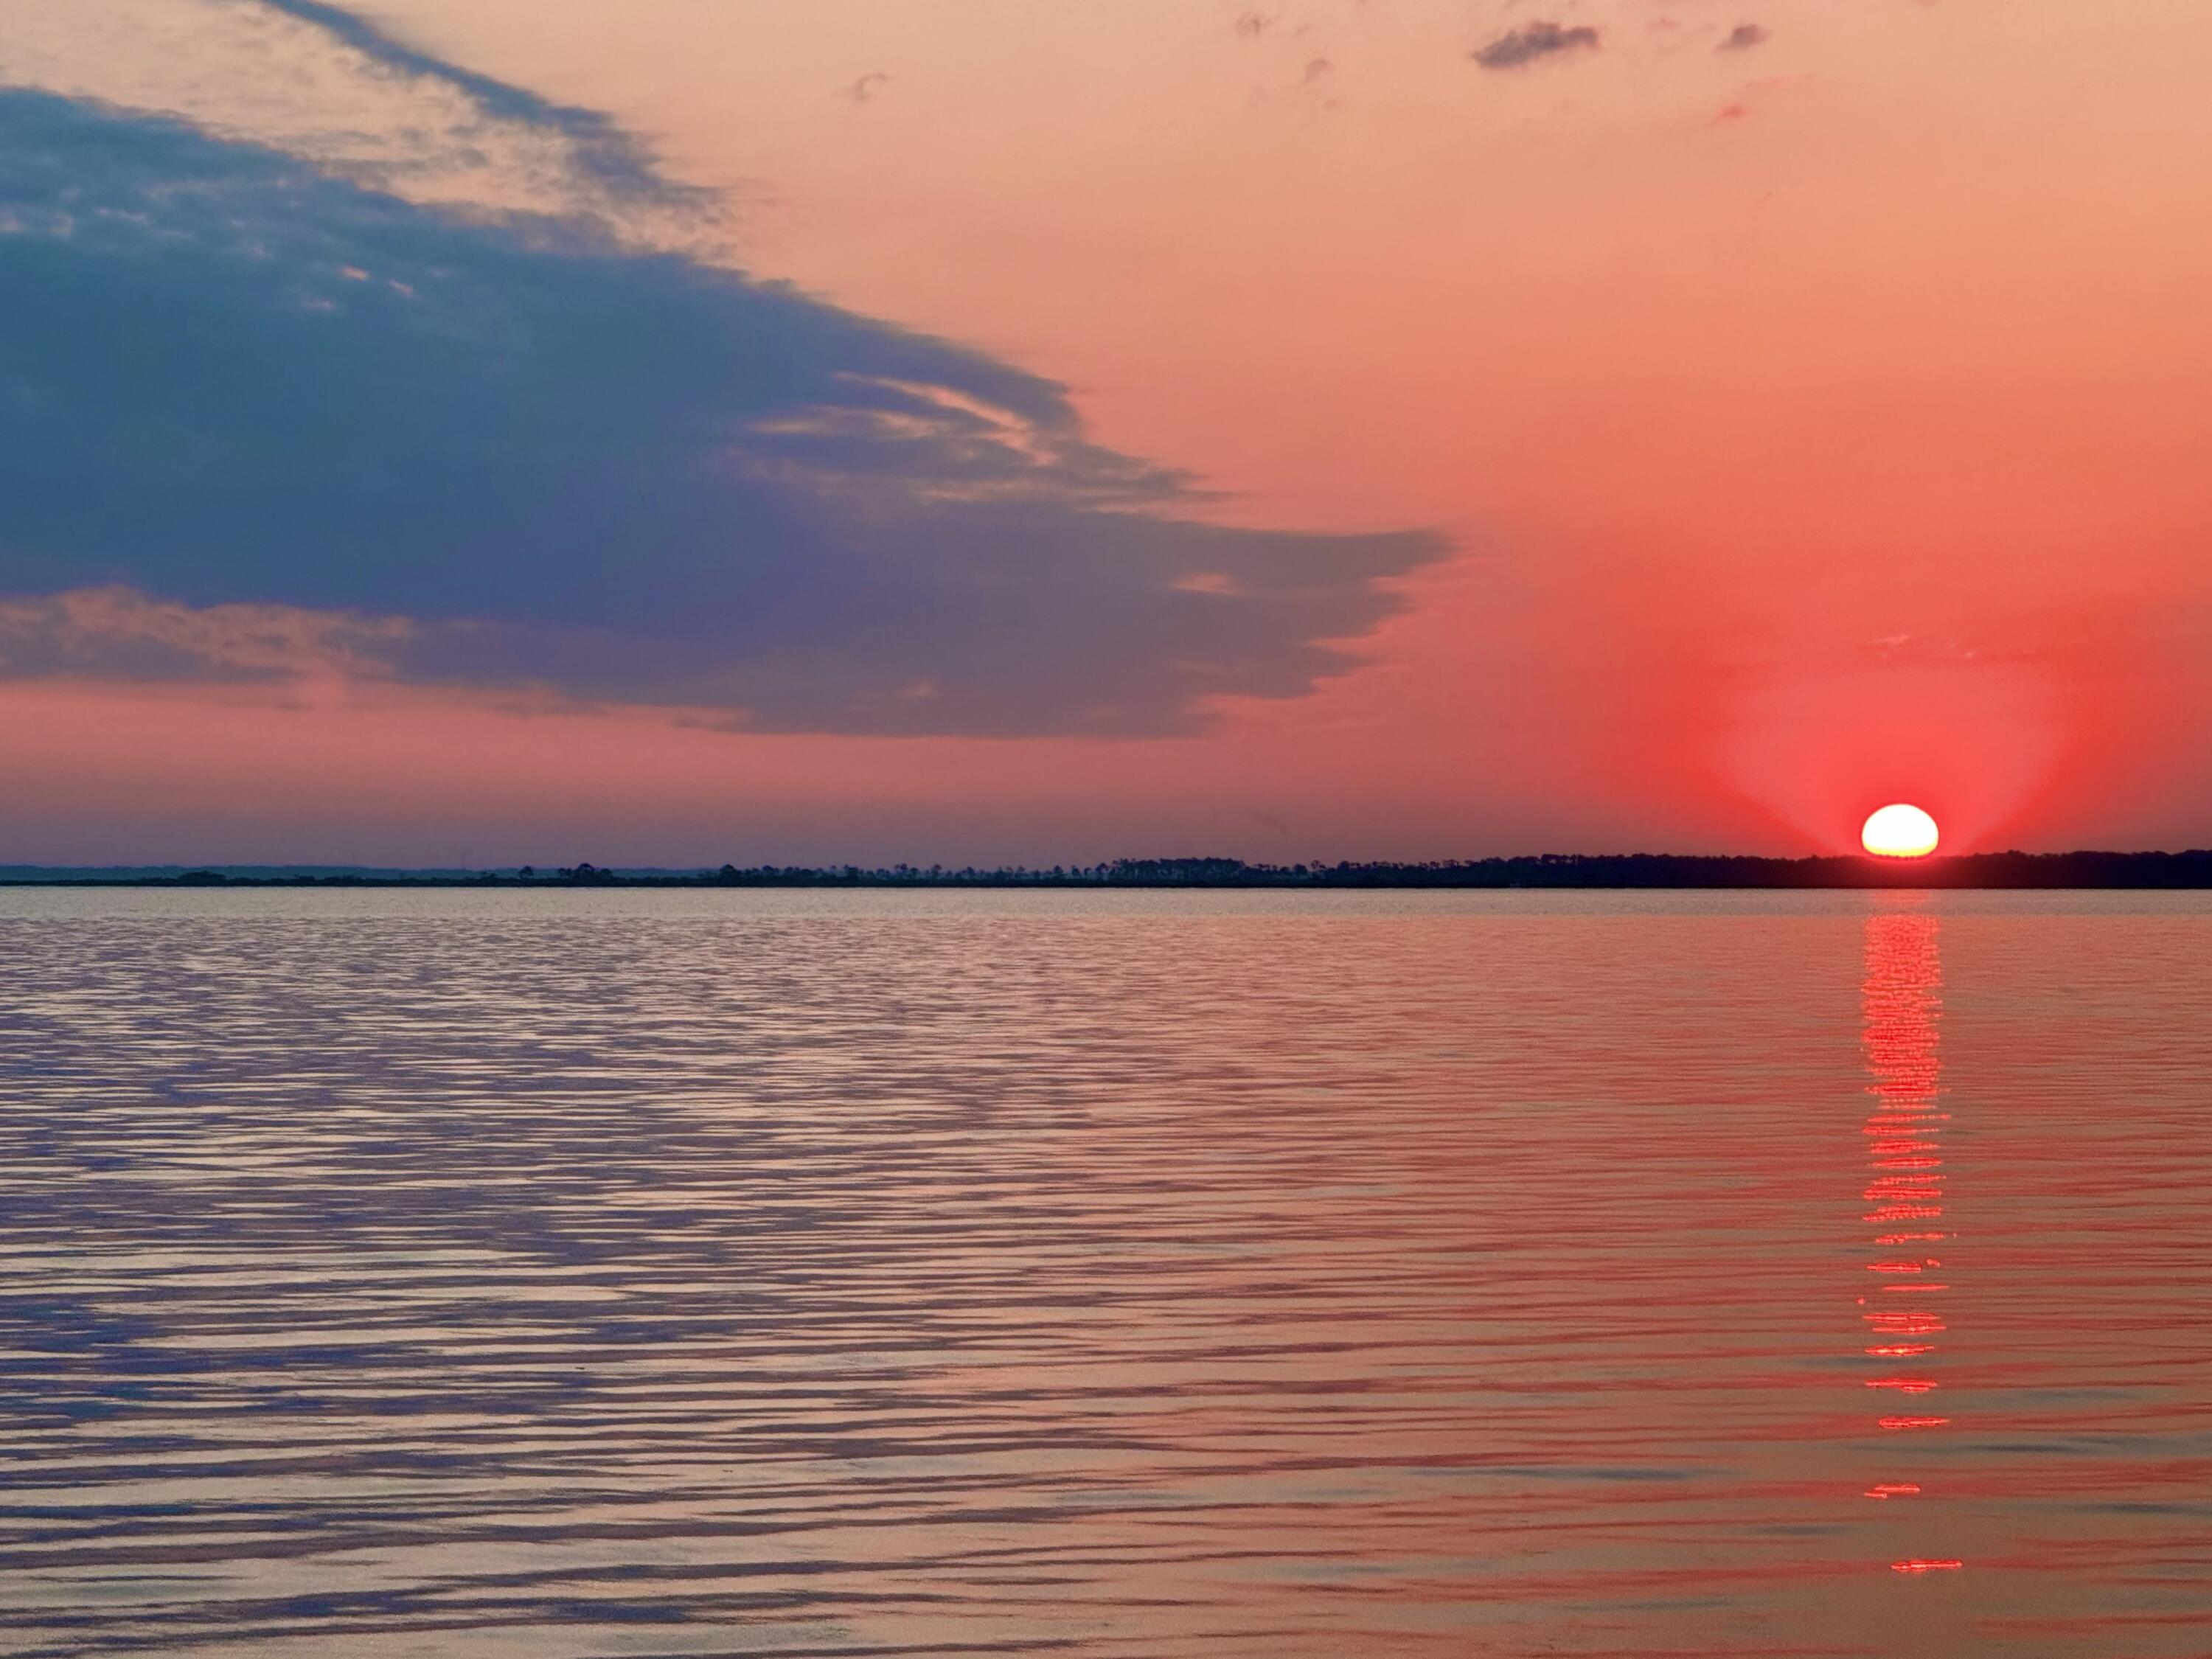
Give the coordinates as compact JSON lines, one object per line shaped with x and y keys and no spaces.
{"x":1899,"y":831}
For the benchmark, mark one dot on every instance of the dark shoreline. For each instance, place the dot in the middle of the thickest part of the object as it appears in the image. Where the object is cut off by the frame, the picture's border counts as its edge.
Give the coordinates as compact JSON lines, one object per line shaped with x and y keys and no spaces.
{"x":1637,"y":871}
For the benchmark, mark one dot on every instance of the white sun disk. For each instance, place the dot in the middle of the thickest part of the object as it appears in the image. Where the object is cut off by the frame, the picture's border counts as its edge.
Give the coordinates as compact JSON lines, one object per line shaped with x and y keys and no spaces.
{"x":1899,"y":831}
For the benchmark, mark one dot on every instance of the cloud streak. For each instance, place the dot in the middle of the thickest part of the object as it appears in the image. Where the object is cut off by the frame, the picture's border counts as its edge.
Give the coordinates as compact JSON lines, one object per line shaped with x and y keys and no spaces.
{"x":611,"y":158}
{"x":1533,"y":42}
{"x":117,"y":633}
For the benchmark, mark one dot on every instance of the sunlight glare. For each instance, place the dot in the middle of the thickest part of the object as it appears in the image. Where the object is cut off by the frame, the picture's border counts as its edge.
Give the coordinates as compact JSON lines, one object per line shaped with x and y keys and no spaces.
{"x":1899,"y":831}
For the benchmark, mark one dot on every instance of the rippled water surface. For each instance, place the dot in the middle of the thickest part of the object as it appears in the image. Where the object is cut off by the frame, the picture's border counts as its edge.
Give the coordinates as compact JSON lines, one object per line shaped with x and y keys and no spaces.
{"x":659,"y":1273}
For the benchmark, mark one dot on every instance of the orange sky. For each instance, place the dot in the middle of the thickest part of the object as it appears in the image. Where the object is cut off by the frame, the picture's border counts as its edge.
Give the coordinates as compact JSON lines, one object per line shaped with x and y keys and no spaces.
{"x":1814,"y":424}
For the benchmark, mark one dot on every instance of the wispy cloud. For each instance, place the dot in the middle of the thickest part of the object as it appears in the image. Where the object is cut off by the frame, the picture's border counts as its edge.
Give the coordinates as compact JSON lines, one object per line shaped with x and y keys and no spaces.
{"x":601,"y":149}
{"x":1534,"y":41}
{"x":116,"y":632}
{"x":315,"y":82}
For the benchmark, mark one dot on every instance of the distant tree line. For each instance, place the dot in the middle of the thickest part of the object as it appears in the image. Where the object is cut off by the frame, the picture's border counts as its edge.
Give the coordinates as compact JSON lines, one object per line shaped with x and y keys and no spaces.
{"x":1558,"y":870}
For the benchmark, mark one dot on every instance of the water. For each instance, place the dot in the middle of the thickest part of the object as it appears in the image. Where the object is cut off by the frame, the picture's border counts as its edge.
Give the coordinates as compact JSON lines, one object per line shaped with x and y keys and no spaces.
{"x":643,"y":1274}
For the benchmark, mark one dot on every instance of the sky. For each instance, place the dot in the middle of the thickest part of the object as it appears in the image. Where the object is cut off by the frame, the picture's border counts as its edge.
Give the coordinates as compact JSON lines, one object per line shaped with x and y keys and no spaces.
{"x":481,"y":432}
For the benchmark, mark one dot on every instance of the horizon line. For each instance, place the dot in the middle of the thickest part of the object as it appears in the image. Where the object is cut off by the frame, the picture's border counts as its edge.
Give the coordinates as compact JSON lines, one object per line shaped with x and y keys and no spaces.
{"x":2090,"y":868}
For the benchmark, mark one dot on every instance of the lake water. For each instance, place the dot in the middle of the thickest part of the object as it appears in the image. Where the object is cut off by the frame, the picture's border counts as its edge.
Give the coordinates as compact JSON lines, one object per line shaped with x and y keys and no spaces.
{"x":795,"y":1273}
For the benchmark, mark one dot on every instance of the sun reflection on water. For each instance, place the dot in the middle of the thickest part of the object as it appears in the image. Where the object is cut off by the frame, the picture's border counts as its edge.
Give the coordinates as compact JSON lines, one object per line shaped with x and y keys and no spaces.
{"x":1902,"y":1001}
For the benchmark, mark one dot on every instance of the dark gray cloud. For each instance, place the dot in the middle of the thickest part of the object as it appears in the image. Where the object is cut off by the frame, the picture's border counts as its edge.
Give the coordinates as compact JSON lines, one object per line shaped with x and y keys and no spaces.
{"x":1742,"y":37}
{"x":1520,"y":47}
{"x":305,"y":418}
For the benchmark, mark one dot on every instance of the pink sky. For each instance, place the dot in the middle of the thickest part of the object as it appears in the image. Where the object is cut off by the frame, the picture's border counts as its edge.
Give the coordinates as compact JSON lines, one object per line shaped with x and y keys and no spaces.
{"x":1812,"y":424}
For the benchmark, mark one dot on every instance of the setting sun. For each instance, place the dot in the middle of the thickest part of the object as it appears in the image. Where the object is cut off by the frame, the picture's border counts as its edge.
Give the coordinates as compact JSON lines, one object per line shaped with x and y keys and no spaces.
{"x":1899,"y":831}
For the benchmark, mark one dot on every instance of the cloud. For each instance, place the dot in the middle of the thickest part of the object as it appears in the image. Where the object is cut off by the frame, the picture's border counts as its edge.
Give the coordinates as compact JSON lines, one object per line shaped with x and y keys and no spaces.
{"x":1742,"y":37}
{"x":1520,"y":47}
{"x":313,"y":82}
{"x":244,"y":400}
{"x":612,"y":158}
{"x":114,"y":633}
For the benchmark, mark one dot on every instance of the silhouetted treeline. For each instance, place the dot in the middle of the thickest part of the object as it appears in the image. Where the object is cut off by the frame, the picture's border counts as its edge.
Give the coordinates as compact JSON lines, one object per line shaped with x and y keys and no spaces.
{"x":1625,"y":870}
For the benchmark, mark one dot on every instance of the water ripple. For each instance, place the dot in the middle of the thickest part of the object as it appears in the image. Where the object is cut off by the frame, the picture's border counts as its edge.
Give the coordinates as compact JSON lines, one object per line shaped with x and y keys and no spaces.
{"x":639,"y":1273}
